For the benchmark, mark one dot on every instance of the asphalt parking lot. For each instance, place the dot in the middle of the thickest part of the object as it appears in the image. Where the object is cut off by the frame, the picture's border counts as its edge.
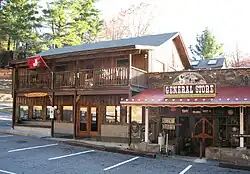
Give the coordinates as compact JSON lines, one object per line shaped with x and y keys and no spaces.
{"x":28,"y":155}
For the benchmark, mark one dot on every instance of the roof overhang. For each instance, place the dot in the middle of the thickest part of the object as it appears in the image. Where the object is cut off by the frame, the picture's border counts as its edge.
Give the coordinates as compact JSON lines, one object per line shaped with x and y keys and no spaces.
{"x":89,"y":52}
{"x":225,"y":97}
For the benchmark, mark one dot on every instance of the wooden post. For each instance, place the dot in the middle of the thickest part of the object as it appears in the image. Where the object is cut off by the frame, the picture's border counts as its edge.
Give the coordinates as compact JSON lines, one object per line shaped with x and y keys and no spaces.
{"x":146,"y":125}
{"x":201,"y":147}
{"x":241,"y":126}
{"x":14,"y":97}
{"x":53,"y":104}
{"x":130,"y":126}
{"x":130,"y":69}
{"x":76,"y":82}
{"x":75,"y":113}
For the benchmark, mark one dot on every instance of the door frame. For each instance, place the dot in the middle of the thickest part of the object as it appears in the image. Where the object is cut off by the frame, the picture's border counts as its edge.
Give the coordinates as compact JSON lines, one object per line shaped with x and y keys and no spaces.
{"x":88,"y":132}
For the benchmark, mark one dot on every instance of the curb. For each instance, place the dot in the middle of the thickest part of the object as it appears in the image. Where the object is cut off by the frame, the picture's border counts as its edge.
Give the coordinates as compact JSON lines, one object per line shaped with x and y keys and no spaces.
{"x":87,"y":145}
{"x":112,"y":149}
{"x":19,"y":133}
{"x":232,"y":165}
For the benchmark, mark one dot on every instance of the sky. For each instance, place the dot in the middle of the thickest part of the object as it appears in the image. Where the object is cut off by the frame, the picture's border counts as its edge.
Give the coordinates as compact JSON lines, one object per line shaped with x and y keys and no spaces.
{"x":227,"y":19}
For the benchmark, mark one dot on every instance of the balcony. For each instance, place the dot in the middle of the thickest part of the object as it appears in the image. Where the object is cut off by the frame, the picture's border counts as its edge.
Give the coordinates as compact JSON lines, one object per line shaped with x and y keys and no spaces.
{"x":86,"y":79}
{"x":34,"y":81}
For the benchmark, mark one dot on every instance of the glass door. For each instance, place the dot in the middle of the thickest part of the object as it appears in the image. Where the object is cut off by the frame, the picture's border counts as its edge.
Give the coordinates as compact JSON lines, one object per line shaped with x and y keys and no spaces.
{"x":88,"y":121}
{"x":94,"y":120}
{"x":83,"y":122}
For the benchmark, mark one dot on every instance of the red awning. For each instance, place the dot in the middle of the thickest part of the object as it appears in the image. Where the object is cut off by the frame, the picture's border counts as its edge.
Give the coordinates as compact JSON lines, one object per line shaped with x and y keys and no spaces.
{"x":225,"y":97}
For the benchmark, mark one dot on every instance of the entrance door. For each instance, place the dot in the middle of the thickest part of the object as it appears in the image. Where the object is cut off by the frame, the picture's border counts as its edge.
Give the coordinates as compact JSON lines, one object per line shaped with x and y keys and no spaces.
{"x":89,"y":121}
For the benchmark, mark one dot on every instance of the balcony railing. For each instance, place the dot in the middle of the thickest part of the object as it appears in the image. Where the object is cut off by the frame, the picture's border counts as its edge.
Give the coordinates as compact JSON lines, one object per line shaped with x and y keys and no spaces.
{"x":104,"y":77}
{"x":36,"y":81}
{"x":64,"y":79}
{"x":86,"y":79}
{"x":139,"y":77}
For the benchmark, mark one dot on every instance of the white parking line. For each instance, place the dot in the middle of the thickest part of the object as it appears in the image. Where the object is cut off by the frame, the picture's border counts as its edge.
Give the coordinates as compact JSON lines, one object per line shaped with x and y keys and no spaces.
{"x":4,"y":136}
{"x":186,"y":169}
{"x":73,"y":154}
{"x":35,"y":147}
{"x":124,"y":162}
{"x":4,"y":171}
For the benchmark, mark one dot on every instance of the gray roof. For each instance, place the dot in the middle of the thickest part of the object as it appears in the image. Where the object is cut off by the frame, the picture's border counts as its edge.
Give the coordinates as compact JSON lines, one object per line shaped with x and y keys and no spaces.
{"x":151,"y":40}
{"x":205,"y":64}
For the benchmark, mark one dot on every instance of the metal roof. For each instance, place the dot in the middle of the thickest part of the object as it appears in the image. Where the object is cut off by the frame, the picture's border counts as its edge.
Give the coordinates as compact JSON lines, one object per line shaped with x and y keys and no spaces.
{"x":151,"y":40}
{"x":205,"y":64}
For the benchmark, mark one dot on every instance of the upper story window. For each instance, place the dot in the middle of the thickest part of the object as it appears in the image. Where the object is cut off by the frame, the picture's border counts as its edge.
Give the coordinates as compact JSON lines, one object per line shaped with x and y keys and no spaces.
{"x":60,"y":68}
{"x":122,"y":62}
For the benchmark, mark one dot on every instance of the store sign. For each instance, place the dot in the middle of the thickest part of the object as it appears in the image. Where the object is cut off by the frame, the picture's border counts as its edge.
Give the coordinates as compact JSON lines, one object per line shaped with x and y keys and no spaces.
{"x":189,"y":85}
{"x":36,"y":94}
{"x":190,"y":91}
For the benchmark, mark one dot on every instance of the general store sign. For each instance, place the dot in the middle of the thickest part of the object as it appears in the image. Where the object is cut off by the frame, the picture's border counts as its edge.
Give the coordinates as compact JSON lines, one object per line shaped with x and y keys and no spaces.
{"x":190,"y":91}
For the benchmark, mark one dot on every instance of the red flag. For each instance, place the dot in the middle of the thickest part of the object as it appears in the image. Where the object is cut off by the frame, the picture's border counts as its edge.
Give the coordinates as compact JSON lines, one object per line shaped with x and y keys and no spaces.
{"x":36,"y":62}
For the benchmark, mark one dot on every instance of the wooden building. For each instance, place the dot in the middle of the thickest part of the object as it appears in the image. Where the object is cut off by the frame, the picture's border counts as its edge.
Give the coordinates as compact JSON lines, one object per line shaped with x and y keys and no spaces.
{"x":86,"y":83}
{"x":190,"y":106}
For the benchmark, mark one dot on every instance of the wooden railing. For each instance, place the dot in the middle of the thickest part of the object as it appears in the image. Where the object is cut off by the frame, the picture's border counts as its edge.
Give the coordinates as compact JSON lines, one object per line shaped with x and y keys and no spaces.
{"x":86,"y":78}
{"x":138,"y":77}
{"x":35,"y":81}
{"x":104,"y":77}
{"x":64,"y":79}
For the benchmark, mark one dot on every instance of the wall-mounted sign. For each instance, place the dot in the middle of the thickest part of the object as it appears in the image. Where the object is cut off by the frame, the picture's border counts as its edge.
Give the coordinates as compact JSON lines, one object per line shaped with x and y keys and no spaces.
{"x":36,"y":94}
{"x":189,"y":78}
{"x":190,"y":91}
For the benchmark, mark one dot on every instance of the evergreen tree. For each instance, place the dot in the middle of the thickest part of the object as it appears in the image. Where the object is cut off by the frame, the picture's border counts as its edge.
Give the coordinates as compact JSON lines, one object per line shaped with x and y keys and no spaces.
{"x":206,"y":46}
{"x":19,"y":22}
{"x":71,"y":22}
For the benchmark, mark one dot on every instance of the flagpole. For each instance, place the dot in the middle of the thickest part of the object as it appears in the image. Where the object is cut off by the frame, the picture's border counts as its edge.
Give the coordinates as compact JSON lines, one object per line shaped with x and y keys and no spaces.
{"x":53,"y":97}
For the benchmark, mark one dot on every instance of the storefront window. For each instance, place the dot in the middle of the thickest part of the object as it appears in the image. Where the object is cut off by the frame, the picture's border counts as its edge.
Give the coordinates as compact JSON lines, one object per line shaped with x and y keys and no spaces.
{"x":112,"y":114}
{"x":136,"y":114}
{"x":227,"y":123}
{"x":67,"y":113}
{"x":37,"y":112}
{"x":24,"y":112}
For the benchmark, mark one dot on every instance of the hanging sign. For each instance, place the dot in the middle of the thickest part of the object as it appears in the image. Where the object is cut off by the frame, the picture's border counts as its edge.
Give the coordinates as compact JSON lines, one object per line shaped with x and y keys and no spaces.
{"x":190,"y":91}
{"x":36,"y":94}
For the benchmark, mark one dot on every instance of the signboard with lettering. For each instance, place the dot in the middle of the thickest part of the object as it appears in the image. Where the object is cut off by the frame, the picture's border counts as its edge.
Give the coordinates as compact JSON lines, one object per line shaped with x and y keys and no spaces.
{"x":190,"y":91}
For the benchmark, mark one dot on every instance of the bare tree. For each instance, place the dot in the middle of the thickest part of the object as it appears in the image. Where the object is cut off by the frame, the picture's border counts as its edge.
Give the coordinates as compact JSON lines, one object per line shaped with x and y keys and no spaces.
{"x":237,"y":59}
{"x":131,"y":22}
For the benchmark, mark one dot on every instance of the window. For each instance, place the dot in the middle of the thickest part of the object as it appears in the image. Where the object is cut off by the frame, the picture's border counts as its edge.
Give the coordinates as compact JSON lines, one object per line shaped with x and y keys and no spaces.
{"x":136,"y":114}
{"x":112,"y":114}
{"x":23,"y":112}
{"x":122,"y":62}
{"x":37,"y":112}
{"x":212,"y":62}
{"x":67,"y":113}
{"x":60,"y":68}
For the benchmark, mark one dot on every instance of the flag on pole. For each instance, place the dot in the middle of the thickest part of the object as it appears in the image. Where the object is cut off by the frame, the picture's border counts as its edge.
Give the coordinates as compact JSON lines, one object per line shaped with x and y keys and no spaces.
{"x":36,"y":62}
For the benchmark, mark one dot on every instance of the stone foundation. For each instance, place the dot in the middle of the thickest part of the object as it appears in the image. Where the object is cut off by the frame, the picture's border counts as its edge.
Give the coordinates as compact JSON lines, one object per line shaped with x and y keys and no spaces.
{"x":146,"y":147}
{"x":228,"y":154}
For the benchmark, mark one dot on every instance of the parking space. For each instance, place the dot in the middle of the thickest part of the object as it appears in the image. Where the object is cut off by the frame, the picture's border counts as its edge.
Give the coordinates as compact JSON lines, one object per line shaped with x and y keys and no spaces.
{"x":31,"y":155}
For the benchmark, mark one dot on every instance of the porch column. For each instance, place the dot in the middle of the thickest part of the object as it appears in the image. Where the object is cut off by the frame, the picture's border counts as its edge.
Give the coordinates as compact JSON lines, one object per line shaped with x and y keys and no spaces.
{"x":241,"y":126}
{"x":146,"y":124}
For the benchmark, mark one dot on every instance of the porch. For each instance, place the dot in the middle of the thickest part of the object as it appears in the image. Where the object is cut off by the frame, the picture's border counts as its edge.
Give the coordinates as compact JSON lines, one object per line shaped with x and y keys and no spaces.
{"x":85,"y":79}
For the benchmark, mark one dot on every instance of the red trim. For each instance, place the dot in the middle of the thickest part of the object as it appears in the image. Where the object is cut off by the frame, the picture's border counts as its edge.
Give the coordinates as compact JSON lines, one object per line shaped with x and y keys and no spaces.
{"x":225,"y":97}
